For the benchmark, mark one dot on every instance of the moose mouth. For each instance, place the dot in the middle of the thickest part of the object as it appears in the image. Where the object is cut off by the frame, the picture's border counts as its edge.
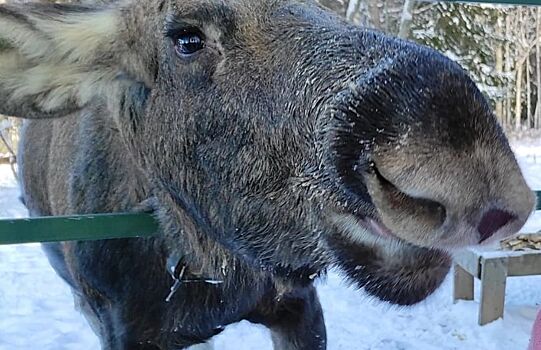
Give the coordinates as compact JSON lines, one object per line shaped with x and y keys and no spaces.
{"x":376,"y":228}
{"x":384,"y":265}
{"x":364,"y":229}
{"x":366,"y":187}
{"x":373,"y":225}
{"x":357,"y":188}
{"x":398,"y":215}
{"x":374,"y":257}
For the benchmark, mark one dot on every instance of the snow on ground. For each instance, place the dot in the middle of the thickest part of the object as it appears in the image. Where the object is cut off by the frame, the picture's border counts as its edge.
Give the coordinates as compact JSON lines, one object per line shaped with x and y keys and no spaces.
{"x":36,"y":307}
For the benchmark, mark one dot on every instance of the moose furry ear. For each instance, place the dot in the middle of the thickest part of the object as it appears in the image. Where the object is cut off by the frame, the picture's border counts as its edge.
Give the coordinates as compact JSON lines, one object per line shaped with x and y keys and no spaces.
{"x":54,"y":58}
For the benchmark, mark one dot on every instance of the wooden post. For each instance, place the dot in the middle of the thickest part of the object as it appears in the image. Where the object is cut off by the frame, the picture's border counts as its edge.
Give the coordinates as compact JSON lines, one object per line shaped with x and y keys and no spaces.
{"x":493,"y":276}
{"x":463,"y":284}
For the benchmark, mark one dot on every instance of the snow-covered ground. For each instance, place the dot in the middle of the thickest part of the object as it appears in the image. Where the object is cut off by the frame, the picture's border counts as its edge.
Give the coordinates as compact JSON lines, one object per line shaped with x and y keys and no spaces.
{"x":36,"y":307}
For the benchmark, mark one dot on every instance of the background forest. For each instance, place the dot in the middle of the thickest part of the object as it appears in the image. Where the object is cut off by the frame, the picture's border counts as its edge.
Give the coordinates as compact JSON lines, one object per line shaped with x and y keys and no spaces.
{"x":499,"y":45}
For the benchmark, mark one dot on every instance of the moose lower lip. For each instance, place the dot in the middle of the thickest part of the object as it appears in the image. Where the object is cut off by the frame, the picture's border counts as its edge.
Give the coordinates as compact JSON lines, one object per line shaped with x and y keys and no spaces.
{"x":380,"y":229}
{"x":376,"y":228}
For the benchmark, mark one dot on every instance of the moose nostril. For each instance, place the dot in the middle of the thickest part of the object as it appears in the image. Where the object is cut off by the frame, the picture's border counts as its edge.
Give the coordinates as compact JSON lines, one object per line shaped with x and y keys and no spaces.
{"x":492,"y":221}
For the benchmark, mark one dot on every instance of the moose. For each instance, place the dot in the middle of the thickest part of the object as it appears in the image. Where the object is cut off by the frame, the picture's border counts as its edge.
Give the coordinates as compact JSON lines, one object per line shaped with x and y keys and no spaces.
{"x":271,"y":140}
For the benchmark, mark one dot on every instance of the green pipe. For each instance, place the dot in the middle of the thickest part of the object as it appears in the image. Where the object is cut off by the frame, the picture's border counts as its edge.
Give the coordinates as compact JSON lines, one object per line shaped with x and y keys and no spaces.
{"x":77,"y":228}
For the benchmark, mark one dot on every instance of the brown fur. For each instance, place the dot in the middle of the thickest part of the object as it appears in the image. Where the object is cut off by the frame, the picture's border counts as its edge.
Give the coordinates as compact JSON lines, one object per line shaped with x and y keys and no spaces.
{"x":290,"y":143}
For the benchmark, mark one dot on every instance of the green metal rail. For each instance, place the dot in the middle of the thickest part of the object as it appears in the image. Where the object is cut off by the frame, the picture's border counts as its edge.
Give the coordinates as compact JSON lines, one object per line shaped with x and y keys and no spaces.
{"x":86,"y":227}
{"x":124,"y":225}
{"x":77,"y":228}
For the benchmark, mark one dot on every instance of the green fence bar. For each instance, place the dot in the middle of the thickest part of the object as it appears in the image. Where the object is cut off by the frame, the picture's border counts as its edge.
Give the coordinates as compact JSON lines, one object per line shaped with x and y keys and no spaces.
{"x":76,"y":228}
{"x":87,"y":227}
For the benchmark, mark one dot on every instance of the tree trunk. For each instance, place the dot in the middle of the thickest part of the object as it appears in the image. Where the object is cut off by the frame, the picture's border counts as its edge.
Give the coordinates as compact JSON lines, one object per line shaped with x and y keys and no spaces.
{"x":538,"y":68}
{"x":508,"y":64}
{"x":337,"y":6}
{"x":499,"y":70}
{"x":518,"y":97}
{"x":386,"y":17}
{"x":374,"y":13}
{"x":406,"y":19}
{"x":353,"y":9}
{"x":528,"y":94}
{"x":519,"y":69}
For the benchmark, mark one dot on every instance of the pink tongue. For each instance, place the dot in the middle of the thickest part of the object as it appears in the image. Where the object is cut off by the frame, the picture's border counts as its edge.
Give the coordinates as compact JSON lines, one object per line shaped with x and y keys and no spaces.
{"x":380,"y":229}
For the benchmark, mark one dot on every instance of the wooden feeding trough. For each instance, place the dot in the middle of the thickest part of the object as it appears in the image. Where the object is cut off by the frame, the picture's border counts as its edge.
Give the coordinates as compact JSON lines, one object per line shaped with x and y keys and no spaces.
{"x":518,"y":256}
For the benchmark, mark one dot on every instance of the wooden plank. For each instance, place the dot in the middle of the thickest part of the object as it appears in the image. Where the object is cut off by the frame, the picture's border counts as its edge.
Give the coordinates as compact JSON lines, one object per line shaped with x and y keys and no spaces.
{"x":463,"y":284}
{"x":525,"y":265}
{"x":493,"y":280}
{"x":77,"y":228}
{"x":470,"y":261}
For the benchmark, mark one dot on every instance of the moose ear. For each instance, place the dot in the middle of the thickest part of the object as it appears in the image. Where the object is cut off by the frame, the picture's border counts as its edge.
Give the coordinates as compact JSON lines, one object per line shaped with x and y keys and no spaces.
{"x":54,"y":58}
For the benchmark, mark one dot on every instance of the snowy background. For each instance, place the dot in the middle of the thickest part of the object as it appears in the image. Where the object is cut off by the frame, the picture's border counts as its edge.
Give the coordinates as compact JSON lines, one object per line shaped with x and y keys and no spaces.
{"x":36,"y":307}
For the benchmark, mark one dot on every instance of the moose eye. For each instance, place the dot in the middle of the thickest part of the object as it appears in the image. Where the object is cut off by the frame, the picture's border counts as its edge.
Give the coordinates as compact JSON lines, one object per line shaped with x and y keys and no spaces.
{"x":188,"y":43}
